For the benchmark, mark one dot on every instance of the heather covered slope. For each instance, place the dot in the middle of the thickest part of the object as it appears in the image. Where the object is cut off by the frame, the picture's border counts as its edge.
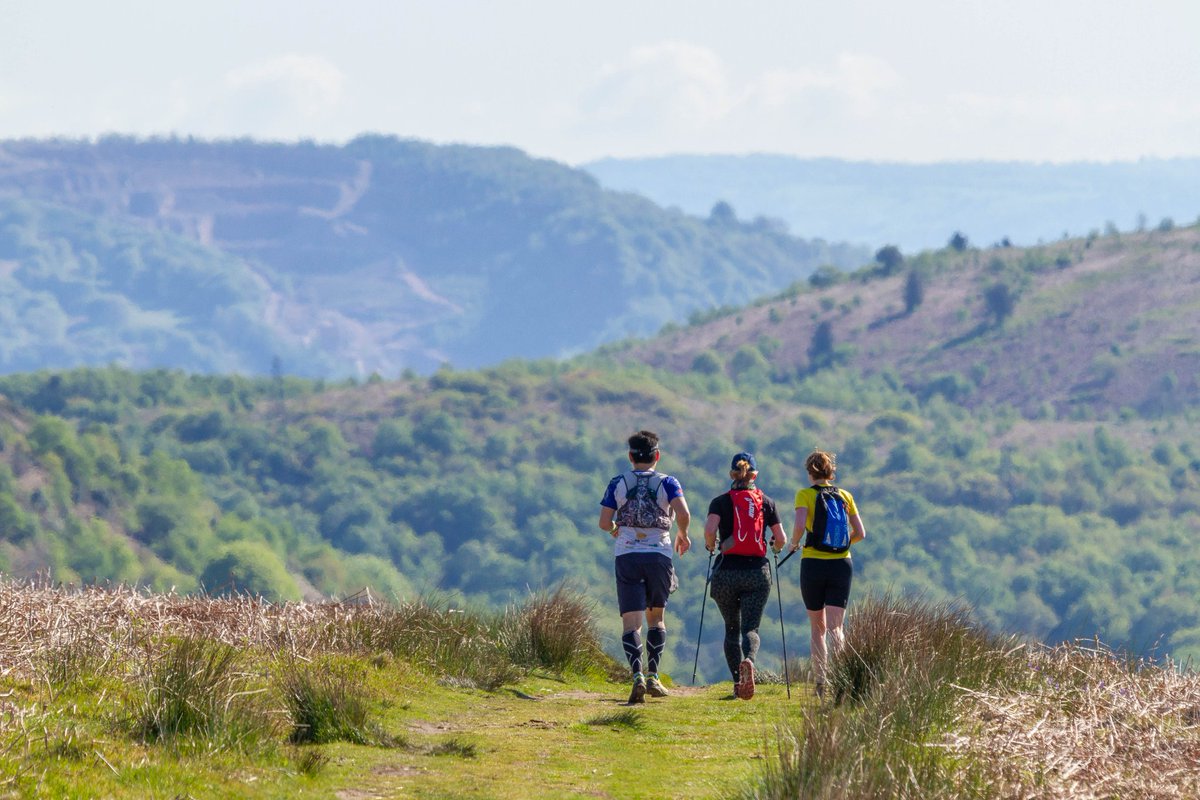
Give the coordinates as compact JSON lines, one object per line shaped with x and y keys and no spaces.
{"x":1089,"y":326}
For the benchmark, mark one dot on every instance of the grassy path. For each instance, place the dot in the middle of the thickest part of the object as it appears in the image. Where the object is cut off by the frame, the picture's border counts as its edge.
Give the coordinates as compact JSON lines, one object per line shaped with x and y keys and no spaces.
{"x":541,"y":740}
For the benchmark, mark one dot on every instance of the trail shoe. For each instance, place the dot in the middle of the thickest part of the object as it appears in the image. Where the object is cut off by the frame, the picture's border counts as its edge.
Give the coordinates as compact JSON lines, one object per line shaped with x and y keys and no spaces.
{"x":654,"y":686}
{"x":746,"y":679}
{"x":638,"y":694}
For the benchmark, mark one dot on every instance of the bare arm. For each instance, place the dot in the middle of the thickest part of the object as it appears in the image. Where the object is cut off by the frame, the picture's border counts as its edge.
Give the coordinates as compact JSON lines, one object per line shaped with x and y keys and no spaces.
{"x":711,"y":525}
{"x":683,"y":518}
{"x":860,"y":531}
{"x":779,"y":539}
{"x":606,"y":521}
{"x":798,"y":528}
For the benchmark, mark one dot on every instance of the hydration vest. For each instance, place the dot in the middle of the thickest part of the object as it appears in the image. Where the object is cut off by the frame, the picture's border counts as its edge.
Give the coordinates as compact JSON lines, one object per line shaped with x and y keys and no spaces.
{"x":747,"y":537}
{"x":641,"y":508}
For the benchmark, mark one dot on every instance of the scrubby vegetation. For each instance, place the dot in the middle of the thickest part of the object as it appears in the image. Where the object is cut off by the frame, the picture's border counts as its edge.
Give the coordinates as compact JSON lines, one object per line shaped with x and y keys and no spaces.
{"x":928,"y":704}
{"x":121,"y":693}
{"x":95,"y":679}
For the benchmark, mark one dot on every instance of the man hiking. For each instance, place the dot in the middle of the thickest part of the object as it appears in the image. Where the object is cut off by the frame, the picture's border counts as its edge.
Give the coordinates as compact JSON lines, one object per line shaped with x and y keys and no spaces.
{"x":637,"y":511}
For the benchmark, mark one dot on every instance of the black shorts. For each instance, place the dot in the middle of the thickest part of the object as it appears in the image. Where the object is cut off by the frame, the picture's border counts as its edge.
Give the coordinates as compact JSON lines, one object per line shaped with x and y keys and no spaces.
{"x":644,"y":580}
{"x":825,"y":582}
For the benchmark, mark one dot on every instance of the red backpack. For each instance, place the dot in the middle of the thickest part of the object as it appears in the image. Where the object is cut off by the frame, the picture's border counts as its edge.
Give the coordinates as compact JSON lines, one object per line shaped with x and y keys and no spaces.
{"x":747,"y":537}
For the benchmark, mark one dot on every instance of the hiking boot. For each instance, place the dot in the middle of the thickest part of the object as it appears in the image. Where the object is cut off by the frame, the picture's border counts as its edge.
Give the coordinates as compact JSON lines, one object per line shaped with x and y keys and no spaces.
{"x":745,"y":687}
{"x":655,"y":688}
{"x":638,"y":693}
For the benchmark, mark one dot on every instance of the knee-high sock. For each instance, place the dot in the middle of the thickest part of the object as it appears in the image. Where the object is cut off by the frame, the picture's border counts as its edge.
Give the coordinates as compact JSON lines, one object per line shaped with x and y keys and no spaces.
{"x":656,"y":640}
{"x":632,"y":642}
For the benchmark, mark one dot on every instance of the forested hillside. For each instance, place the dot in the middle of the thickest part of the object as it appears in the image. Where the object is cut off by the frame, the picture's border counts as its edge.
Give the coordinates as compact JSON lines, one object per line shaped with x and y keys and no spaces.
{"x":984,"y":468}
{"x":334,"y":261}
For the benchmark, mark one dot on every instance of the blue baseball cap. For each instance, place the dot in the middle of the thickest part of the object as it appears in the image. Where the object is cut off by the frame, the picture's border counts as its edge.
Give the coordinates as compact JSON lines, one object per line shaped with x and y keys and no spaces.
{"x":747,"y":457}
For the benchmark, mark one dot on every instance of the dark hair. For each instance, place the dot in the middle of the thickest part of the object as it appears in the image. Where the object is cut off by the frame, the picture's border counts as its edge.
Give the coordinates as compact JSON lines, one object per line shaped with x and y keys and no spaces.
{"x":821,"y":465}
{"x":642,"y":446}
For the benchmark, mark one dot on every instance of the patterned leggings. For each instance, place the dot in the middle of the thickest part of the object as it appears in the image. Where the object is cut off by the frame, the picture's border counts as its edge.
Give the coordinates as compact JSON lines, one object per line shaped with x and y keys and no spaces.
{"x":741,"y":595}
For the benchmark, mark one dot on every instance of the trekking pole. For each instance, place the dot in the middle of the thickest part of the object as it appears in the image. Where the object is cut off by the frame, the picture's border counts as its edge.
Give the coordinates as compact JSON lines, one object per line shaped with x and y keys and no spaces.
{"x":779,"y":595}
{"x":703,"y":604}
{"x":785,"y":558}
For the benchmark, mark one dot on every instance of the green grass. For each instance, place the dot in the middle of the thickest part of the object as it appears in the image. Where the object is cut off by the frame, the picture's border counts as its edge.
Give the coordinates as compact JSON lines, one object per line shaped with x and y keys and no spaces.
{"x":924,"y":702}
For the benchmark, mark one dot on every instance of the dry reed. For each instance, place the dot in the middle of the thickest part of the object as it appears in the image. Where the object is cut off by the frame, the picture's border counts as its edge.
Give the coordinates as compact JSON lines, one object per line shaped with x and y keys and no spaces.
{"x":1088,"y":723}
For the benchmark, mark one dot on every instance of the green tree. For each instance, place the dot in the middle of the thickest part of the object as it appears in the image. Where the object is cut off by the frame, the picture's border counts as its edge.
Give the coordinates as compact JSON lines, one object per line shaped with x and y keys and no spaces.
{"x":249,"y":568}
{"x":1000,"y":301}
{"x":914,"y":291}
{"x":821,"y":348}
{"x":889,"y":258}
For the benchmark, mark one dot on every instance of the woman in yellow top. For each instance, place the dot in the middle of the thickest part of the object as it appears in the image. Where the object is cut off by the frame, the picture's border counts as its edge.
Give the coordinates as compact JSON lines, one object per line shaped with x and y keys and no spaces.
{"x":829,"y":521}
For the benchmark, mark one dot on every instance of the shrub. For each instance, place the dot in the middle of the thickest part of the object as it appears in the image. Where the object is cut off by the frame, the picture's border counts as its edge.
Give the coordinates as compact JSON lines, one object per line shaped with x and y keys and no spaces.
{"x":249,"y":568}
{"x":329,"y":704}
{"x":192,"y":689}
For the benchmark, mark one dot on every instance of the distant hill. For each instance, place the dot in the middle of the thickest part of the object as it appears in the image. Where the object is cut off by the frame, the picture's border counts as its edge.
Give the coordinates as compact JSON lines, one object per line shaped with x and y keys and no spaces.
{"x":1083,"y":327}
{"x":918,"y":206}
{"x":375,"y":256}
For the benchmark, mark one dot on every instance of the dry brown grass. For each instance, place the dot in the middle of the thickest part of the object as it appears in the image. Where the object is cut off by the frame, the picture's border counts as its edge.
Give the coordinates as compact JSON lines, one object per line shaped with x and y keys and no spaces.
{"x":1090,"y":724}
{"x":38,"y":620}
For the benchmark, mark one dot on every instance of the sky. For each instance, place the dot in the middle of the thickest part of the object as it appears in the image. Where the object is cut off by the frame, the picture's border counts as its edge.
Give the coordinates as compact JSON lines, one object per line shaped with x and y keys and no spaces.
{"x":879,"y":80}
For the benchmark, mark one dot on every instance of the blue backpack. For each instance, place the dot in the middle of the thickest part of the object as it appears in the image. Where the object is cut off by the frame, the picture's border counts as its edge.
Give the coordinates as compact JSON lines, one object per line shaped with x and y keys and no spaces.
{"x":830,"y":531}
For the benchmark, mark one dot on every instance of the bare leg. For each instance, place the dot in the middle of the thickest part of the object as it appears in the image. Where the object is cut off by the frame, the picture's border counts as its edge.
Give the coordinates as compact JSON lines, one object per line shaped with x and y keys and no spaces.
{"x":834,"y":618}
{"x":820,"y":659}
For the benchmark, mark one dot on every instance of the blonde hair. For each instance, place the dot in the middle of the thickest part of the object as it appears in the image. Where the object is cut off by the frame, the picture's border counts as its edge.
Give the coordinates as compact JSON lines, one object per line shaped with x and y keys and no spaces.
{"x":821,"y":465}
{"x":742,"y":471}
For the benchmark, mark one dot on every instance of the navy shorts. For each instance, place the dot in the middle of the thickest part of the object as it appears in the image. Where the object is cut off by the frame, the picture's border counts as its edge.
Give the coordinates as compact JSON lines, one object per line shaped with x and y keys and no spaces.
{"x":644,"y":580}
{"x":825,"y":582}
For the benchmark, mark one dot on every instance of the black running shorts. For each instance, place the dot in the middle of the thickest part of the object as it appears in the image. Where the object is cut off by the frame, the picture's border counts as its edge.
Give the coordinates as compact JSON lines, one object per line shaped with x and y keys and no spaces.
{"x":825,"y":582}
{"x":644,"y":580}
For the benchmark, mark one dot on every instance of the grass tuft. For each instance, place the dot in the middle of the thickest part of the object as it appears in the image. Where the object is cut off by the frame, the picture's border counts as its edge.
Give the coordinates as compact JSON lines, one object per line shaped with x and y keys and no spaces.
{"x":628,"y":718}
{"x":191,"y":688}
{"x":895,"y":691}
{"x":328,"y":704}
{"x":556,"y":630}
{"x":455,"y":747}
{"x":311,"y":762}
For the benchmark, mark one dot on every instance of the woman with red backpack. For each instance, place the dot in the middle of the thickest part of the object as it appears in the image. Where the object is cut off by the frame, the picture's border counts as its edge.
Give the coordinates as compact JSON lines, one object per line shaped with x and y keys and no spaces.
{"x":741,"y":579}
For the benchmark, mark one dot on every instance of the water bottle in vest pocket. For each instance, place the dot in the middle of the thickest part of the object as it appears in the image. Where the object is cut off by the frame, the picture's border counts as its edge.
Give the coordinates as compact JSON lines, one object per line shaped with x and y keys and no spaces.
{"x":747,"y":537}
{"x":831,"y":523}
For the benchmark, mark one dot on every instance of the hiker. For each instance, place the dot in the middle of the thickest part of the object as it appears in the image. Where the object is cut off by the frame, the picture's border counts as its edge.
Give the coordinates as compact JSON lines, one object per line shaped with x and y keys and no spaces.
{"x":828,"y":519}
{"x":741,"y":579}
{"x":637,"y":511}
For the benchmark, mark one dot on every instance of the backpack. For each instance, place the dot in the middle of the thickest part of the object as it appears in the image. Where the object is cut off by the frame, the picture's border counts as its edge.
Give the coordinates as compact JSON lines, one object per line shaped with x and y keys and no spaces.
{"x":747,"y":537}
{"x":641,"y":508}
{"x":831,"y":523}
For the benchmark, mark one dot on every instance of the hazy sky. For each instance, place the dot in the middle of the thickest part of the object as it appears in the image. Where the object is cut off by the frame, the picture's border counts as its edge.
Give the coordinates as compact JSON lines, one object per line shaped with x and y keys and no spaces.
{"x":896,"y":80}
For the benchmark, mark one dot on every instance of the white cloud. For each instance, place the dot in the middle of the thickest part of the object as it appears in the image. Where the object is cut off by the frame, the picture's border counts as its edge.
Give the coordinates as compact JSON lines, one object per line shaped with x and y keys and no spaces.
{"x":853,"y":80}
{"x":312,"y":85}
{"x":686,"y":93}
{"x":287,"y":98}
{"x":672,"y":84}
